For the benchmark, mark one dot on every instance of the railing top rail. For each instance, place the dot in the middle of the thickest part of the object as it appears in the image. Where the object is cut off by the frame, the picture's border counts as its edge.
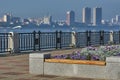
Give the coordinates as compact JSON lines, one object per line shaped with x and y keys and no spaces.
{"x":47,"y":32}
{"x":63,"y":32}
{"x":43,"y":32}
{"x":5,"y":33}
{"x":25,"y":33}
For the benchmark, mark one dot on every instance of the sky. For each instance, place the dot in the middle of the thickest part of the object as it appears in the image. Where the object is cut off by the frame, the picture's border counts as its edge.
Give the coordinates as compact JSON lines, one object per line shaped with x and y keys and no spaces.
{"x":57,"y":8}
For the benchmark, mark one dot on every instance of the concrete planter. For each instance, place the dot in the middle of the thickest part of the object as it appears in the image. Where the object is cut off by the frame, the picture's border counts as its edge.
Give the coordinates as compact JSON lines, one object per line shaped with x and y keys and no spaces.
{"x":41,"y":64}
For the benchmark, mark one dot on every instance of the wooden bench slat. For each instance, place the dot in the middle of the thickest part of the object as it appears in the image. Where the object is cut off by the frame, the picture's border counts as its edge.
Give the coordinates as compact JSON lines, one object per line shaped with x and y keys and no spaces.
{"x":68,"y":61}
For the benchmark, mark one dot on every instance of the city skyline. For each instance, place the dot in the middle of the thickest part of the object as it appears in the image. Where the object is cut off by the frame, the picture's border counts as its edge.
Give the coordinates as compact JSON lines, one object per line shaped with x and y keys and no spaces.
{"x":40,"y":8}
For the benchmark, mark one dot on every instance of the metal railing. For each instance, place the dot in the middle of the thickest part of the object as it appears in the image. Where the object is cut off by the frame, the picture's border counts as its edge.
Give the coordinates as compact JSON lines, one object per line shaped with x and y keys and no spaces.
{"x":56,"y":40}
{"x":26,"y":41}
{"x":44,"y":40}
{"x":89,"y":38}
{"x":4,"y":42}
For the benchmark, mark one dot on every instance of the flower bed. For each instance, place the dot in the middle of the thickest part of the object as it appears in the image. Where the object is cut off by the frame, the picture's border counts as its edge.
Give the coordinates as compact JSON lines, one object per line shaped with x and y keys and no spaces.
{"x":91,"y":62}
{"x":92,"y":53}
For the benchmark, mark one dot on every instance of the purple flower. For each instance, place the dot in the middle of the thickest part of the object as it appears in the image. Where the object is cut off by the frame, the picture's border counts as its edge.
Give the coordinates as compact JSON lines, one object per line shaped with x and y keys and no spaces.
{"x":57,"y":57}
{"x":91,"y":48}
{"x":95,"y":57}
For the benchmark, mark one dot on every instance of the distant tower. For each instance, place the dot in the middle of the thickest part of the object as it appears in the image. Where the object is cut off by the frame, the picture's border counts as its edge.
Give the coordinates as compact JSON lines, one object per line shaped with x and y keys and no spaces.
{"x":97,"y":16}
{"x":86,"y":15}
{"x":47,"y":20}
{"x":70,"y":17}
{"x":113,"y":20}
{"x":7,"y":18}
{"x":117,"y":18}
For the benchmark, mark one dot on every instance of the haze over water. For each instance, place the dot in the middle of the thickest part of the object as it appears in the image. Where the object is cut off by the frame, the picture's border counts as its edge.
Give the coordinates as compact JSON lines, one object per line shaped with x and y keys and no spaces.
{"x":57,"y":8}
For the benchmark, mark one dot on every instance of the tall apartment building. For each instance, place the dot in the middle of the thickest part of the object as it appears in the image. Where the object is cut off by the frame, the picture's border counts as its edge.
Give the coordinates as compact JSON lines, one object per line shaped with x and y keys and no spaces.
{"x":7,"y":18}
{"x":118,"y":18}
{"x":97,"y":16}
{"x":86,"y":14}
{"x":70,"y":17}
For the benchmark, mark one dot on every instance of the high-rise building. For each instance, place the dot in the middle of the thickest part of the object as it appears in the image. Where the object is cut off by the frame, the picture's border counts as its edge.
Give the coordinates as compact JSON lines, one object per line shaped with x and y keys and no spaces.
{"x":7,"y":18}
{"x":117,"y":18}
{"x":113,"y":20}
{"x":97,"y":16}
{"x":86,"y":15}
{"x":70,"y":17}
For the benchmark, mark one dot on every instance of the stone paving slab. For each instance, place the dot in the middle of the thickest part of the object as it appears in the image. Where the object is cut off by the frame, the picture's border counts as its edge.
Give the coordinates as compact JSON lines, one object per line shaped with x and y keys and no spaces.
{"x":16,"y":67}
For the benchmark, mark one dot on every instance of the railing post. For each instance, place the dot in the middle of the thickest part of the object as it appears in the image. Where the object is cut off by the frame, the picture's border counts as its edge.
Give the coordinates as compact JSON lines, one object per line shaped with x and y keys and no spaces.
{"x":13,"y":42}
{"x":73,"y":39}
{"x":87,"y":38}
{"x":60,"y":37}
{"x":101,"y":37}
{"x":39,"y":33}
{"x":34,"y":37}
{"x":119,"y":37}
{"x":111,"y":38}
{"x":88,"y":34}
{"x":56,"y":39}
{"x":114,"y":33}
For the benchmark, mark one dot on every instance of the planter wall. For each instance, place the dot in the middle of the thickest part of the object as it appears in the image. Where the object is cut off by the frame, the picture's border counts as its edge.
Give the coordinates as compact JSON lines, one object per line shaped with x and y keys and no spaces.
{"x":111,"y":70}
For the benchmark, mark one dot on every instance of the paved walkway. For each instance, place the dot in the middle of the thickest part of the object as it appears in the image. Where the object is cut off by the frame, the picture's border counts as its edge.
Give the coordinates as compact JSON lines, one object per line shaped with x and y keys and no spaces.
{"x":17,"y":68}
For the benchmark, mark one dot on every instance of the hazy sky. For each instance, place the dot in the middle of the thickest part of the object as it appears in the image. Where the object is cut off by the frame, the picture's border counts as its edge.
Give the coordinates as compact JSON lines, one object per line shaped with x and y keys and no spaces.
{"x":57,"y":8}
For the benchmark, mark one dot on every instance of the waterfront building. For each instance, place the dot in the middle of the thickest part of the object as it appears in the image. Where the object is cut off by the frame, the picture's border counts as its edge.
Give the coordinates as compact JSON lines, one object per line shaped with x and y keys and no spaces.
{"x":70,"y":18}
{"x":97,"y":16}
{"x":86,"y":14}
{"x":25,"y":21}
{"x":118,"y":18}
{"x":113,"y":21}
{"x":16,"y":19}
{"x":47,"y":20}
{"x":7,"y":18}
